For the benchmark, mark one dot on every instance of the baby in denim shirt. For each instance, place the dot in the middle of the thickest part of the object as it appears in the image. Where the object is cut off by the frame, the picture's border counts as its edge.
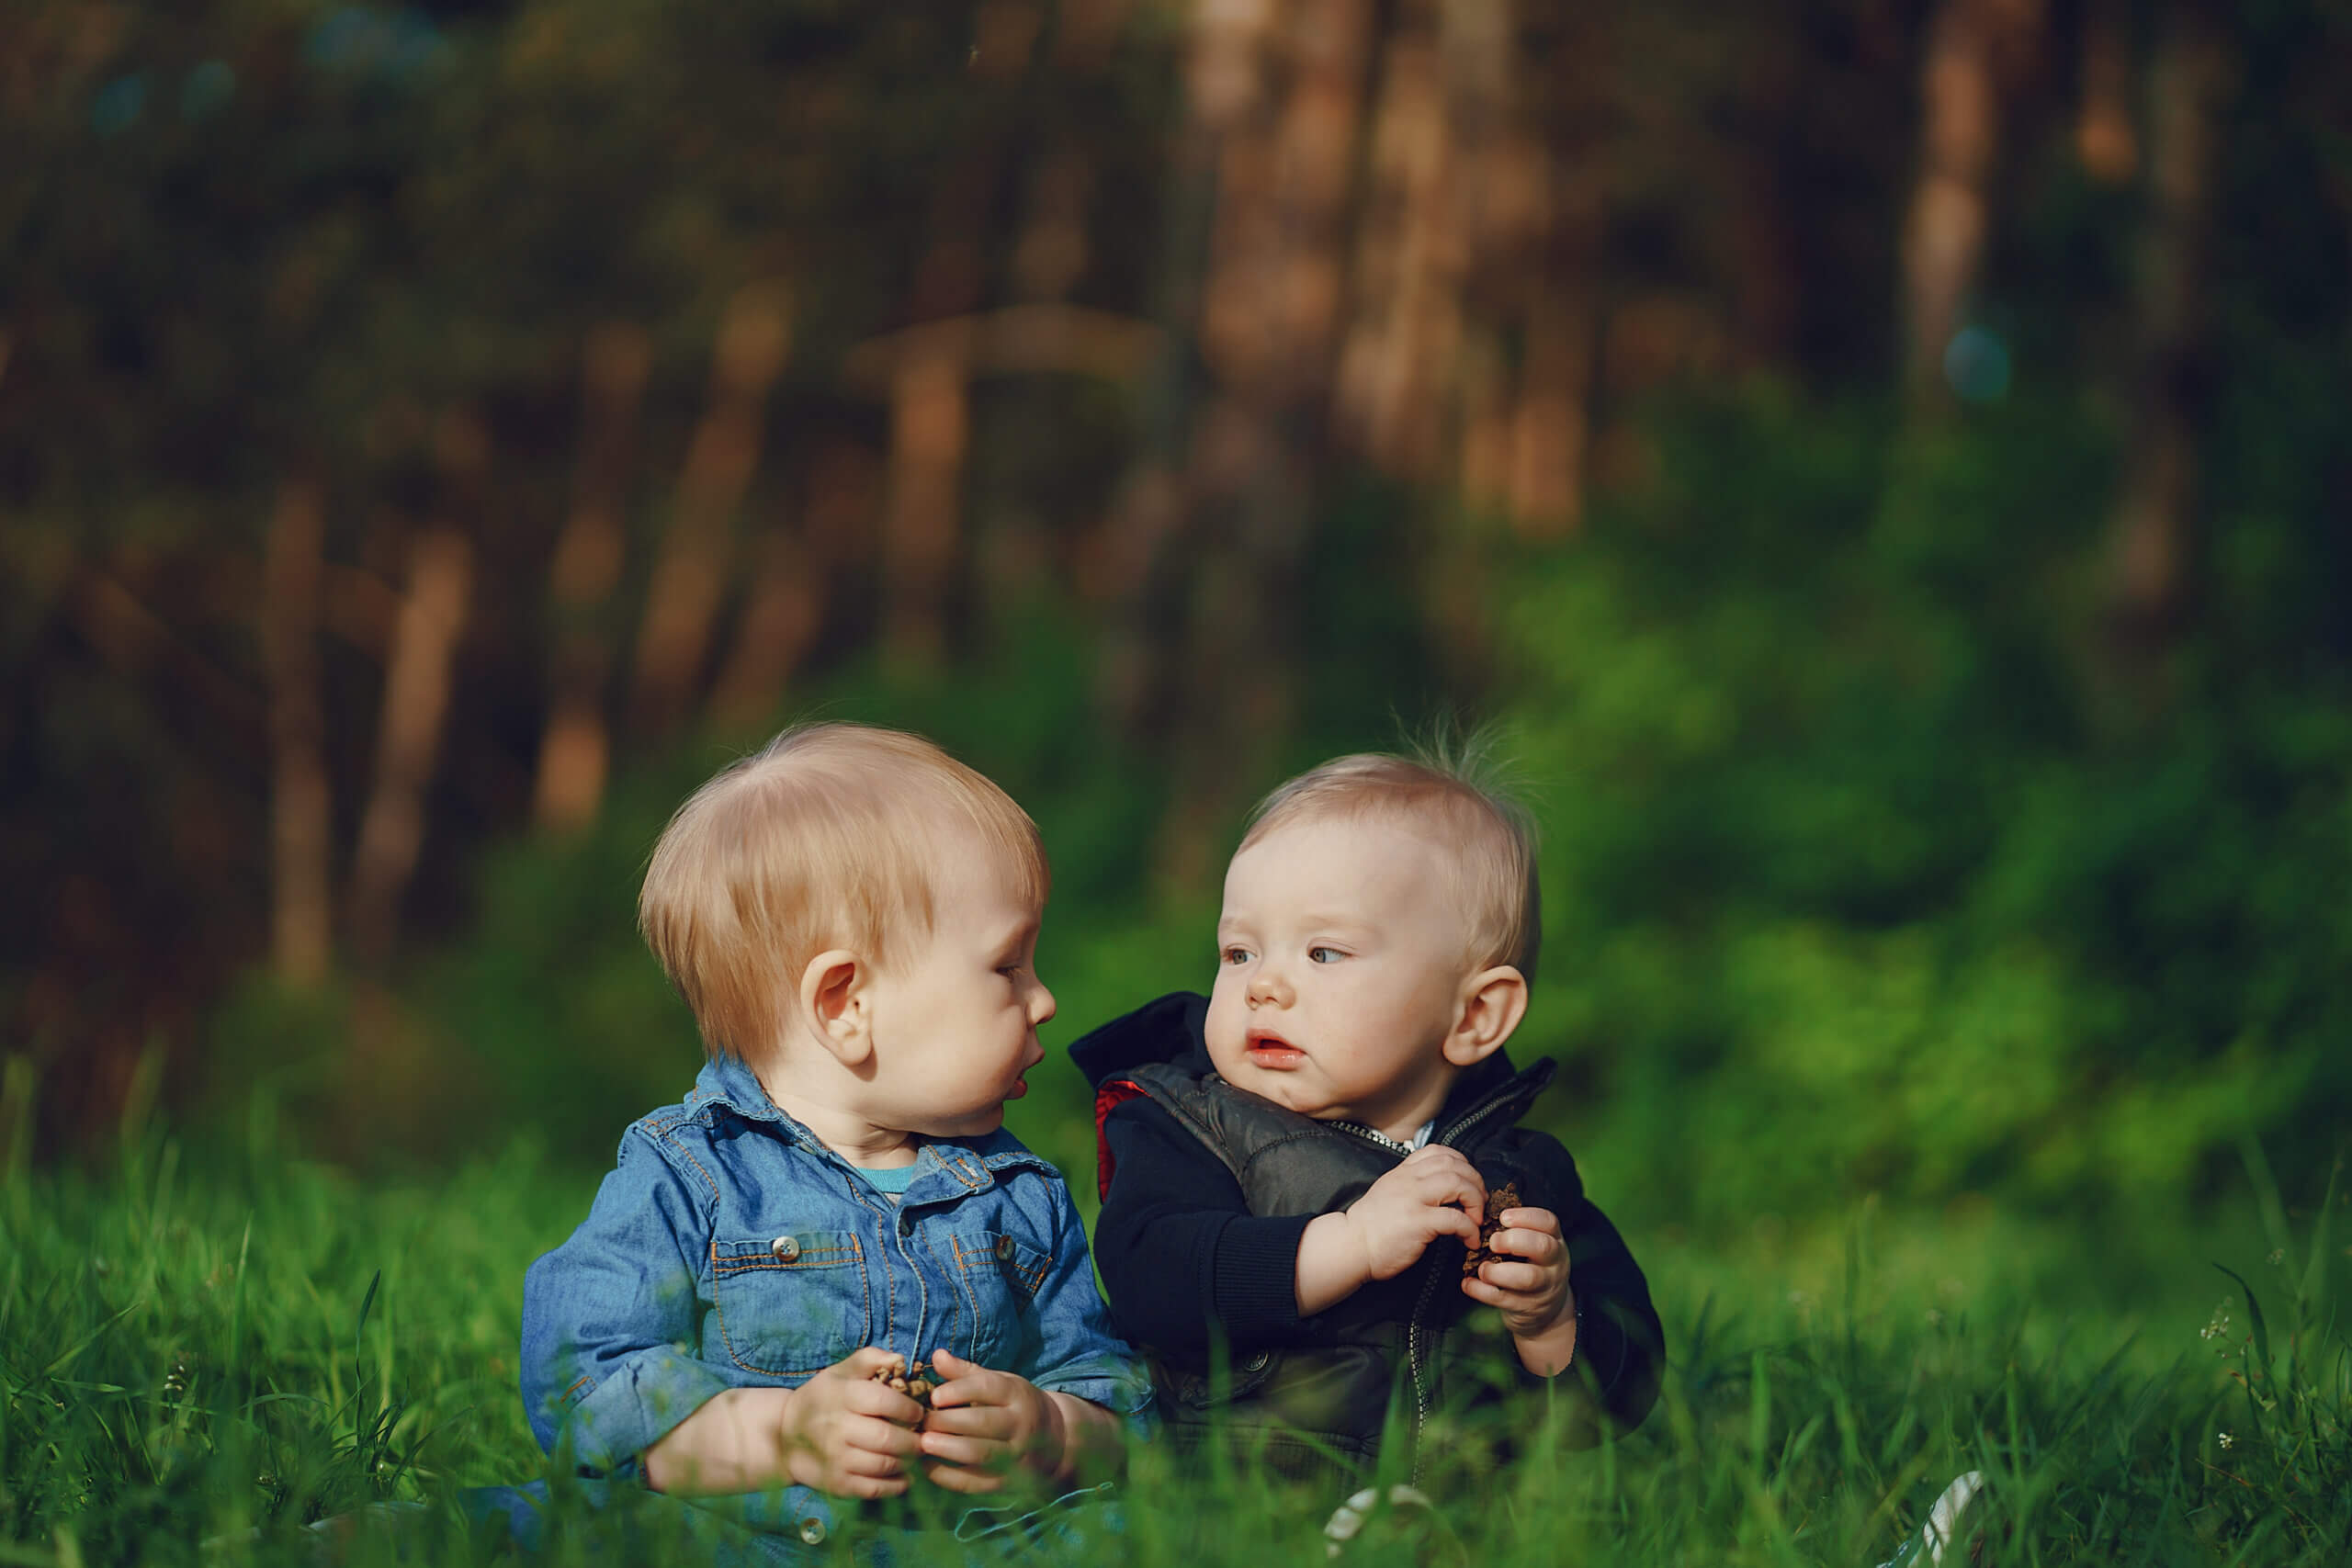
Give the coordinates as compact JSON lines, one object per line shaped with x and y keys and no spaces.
{"x":852,"y":915}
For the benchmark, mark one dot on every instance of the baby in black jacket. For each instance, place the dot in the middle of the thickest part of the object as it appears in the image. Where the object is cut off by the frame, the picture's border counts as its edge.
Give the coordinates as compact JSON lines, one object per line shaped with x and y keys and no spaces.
{"x":1300,"y":1165}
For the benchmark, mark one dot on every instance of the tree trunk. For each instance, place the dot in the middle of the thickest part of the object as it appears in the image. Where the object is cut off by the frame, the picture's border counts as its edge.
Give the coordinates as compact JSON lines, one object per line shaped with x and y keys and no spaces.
{"x":2105,"y":138}
{"x":1975,"y":50}
{"x":782,"y":612}
{"x":1550,"y":420}
{"x":575,"y":749}
{"x":931,"y":422}
{"x":688,"y":576}
{"x":301,"y":831}
{"x":1274,"y":114}
{"x":785,"y":610}
{"x":416,"y":699}
{"x":1404,"y":334}
{"x":2150,"y":537}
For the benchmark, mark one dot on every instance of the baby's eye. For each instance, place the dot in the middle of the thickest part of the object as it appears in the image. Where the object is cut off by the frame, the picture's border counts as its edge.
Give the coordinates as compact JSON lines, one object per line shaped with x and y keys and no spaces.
{"x":1235,"y":956}
{"x":1324,"y":955}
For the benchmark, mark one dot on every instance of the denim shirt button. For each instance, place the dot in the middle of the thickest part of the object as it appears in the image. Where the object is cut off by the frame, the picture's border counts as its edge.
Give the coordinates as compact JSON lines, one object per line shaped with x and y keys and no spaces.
{"x":786,"y":1249}
{"x":812,"y":1531}
{"x":1005,"y":1249}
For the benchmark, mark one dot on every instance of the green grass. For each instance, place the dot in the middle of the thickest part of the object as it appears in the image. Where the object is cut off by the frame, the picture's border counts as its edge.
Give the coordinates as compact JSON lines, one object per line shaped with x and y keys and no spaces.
{"x":224,"y":1349}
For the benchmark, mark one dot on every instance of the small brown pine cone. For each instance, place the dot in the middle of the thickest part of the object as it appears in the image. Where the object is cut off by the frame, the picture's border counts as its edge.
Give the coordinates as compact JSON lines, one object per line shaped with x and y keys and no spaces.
{"x":1498,"y":1201}
{"x":915,"y":1381}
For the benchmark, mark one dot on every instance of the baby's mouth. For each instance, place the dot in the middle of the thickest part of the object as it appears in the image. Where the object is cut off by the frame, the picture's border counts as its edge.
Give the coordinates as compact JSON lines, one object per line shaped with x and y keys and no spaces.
{"x":1268,"y":1049}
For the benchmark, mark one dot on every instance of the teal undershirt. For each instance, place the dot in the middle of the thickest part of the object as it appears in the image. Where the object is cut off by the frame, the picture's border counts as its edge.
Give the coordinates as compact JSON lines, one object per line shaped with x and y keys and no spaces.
{"x":892,"y":1182}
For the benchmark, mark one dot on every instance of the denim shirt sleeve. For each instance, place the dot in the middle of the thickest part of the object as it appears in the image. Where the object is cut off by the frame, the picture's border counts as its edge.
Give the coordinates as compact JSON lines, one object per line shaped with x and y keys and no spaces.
{"x":1080,"y":1354}
{"x":610,"y":1318}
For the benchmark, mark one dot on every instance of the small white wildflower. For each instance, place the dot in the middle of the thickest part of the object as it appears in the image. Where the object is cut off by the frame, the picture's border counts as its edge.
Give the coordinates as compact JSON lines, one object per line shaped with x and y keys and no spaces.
{"x":2227,"y":1440}
{"x":2218,"y":1325}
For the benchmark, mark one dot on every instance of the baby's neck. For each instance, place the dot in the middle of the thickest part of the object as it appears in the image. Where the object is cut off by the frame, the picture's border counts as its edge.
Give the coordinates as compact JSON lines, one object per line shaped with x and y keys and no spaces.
{"x":1402,"y":1120}
{"x":847,"y":1133}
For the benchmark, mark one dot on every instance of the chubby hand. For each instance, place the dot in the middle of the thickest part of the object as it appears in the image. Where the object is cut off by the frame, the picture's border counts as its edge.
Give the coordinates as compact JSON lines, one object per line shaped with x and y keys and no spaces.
{"x":1436,"y":1191}
{"x":844,"y":1433}
{"x":982,"y":1423}
{"x":1528,"y":1278}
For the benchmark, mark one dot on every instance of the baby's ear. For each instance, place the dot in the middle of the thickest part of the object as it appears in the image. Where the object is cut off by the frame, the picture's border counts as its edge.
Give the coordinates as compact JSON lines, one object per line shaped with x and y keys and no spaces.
{"x":836,"y":1004}
{"x":1492,"y":1001}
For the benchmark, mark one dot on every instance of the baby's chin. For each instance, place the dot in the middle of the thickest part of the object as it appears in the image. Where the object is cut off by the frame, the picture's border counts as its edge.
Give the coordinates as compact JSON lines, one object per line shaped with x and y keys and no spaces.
{"x":970,"y":1125}
{"x":1285,"y":1088}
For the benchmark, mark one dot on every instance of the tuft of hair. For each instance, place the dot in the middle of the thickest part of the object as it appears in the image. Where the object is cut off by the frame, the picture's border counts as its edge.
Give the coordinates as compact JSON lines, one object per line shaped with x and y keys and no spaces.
{"x":1456,"y":789}
{"x":826,"y":837}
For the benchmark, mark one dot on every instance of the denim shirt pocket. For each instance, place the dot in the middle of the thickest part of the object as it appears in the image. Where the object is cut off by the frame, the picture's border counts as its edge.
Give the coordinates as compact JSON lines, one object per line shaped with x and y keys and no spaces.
{"x":792,"y":1304}
{"x":1000,"y":1274}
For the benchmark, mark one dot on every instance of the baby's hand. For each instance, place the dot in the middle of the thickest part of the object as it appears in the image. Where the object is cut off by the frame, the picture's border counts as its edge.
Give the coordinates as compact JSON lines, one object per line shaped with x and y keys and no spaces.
{"x":843,"y":1432}
{"x":982,"y":1423}
{"x":1435,"y":1192}
{"x":1528,"y":1278}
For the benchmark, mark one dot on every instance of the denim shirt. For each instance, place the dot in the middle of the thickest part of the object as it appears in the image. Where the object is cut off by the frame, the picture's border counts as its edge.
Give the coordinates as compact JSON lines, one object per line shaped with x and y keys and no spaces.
{"x":730,"y":1248}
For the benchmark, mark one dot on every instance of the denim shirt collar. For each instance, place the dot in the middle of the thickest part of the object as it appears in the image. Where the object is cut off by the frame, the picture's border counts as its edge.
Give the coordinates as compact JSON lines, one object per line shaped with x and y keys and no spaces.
{"x":952,"y":1168}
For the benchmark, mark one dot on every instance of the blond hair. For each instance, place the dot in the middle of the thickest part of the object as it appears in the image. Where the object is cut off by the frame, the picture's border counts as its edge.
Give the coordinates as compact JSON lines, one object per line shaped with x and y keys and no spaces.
{"x":827,"y":837}
{"x":1456,"y":790}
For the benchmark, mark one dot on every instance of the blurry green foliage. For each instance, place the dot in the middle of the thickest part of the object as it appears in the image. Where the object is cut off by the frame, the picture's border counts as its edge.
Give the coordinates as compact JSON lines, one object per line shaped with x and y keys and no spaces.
{"x":1858,"y":879}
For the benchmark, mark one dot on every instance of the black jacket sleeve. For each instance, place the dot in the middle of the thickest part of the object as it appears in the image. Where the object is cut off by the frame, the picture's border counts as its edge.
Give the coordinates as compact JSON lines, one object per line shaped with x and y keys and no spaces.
{"x":1179,"y":1250}
{"x":1619,"y":1347}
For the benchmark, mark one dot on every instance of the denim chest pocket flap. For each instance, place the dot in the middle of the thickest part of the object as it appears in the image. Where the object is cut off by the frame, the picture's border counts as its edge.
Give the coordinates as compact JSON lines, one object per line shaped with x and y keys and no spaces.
{"x":792,"y":1303}
{"x":1000,"y":1274}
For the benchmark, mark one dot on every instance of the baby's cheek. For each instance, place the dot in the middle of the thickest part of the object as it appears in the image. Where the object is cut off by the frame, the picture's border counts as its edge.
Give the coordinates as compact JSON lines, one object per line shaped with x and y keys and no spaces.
{"x":1225,"y":1032}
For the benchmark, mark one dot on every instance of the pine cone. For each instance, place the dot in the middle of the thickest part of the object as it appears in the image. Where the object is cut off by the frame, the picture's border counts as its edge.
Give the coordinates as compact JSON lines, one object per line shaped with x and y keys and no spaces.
{"x":1503,"y":1197}
{"x":915,"y":1381}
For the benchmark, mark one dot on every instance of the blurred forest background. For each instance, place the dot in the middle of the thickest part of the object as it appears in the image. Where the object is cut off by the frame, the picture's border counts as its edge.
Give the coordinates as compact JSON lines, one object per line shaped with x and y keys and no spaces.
{"x":1884,"y":463}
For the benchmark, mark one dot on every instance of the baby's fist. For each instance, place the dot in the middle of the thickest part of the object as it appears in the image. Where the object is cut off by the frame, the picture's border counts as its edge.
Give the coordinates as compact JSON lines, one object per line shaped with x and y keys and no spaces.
{"x":1436,"y":1191}
{"x":1525,"y":1273}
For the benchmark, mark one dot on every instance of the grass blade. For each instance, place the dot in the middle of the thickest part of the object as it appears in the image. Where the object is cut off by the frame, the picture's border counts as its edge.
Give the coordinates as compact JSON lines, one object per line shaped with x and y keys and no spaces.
{"x":2314,"y":1283}
{"x":2254,"y":1313}
{"x":359,"y":1335}
{"x":66,"y":1357}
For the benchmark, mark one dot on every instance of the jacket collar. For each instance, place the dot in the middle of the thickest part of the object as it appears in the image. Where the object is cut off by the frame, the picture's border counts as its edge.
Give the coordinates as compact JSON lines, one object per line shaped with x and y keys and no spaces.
{"x":1490,"y":1092}
{"x":730,"y":1085}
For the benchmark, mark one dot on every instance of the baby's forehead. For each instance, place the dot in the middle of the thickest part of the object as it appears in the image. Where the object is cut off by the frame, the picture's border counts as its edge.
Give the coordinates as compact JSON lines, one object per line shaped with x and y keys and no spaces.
{"x":1377,"y":830}
{"x":1355,"y":863}
{"x":958,"y":858}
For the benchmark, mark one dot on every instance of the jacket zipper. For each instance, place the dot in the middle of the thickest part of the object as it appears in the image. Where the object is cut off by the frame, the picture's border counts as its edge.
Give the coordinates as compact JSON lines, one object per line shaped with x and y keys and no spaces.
{"x":1373,"y":1137}
{"x":1414,"y":1325}
{"x":1472,"y":1117}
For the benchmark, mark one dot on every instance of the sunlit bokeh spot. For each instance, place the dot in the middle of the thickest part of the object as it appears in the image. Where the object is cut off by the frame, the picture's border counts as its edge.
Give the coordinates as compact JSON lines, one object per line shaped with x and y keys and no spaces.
{"x":118,"y":105}
{"x":362,"y":40}
{"x":1976,"y":363}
